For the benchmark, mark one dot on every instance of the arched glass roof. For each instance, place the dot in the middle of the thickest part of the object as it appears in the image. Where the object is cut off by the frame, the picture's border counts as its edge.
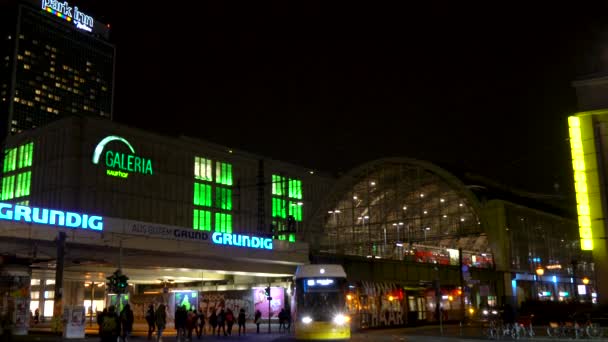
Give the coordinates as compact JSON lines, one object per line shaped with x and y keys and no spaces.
{"x":391,"y":207}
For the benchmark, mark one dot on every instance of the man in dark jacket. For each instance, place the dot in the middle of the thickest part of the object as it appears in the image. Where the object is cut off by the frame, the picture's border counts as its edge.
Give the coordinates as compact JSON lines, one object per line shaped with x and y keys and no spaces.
{"x":126,"y":321}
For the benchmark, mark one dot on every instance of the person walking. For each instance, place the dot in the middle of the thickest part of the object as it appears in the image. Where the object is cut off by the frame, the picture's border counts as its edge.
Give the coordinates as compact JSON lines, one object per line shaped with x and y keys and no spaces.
{"x":200,"y":328}
{"x":150,"y":320}
{"x":241,"y":321}
{"x":160,"y":318}
{"x":229,"y":321}
{"x":257,"y":319}
{"x":126,"y":322}
{"x":110,"y":325}
{"x":213,"y":321}
{"x":282,"y":318}
{"x":181,"y":315}
{"x":221,"y":322}
{"x":100,"y":316}
{"x":191,"y":323}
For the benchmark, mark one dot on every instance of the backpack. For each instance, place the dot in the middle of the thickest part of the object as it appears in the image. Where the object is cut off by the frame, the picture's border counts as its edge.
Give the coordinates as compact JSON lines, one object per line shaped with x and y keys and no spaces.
{"x":108,"y":325}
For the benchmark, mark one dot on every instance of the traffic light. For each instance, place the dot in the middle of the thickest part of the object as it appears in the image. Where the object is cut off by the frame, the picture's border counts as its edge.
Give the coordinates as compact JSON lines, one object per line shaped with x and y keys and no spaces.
{"x":117,"y":283}
{"x":267,"y":291}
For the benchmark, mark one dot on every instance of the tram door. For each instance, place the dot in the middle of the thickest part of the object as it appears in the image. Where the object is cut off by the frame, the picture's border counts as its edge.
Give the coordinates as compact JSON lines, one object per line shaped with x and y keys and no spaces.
{"x":416,"y":309}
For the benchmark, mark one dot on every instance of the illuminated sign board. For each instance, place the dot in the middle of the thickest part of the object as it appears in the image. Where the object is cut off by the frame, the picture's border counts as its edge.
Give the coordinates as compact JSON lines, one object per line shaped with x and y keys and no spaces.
{"x":70,"y":14}
{"x":241,"y":240}
{"x":321,"y":282}
{"x":169,"y":232}
{"x":120,"y":164}
{"x":21,"y":213}
{"x":586,"y":178}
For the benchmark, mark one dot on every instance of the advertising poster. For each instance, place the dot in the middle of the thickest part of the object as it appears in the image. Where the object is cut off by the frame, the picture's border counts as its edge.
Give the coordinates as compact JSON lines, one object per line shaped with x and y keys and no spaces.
{"x":74,"y":319}
{"x":234,"y":300}
{"x":189,"y":299}
{"x":22,"y":314}
{"x":276,"y":304}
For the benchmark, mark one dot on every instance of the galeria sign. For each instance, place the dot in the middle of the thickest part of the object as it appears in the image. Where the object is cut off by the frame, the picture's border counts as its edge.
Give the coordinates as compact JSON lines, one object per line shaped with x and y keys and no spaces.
{"x":21,"y":213}
{"x":120,"y":164}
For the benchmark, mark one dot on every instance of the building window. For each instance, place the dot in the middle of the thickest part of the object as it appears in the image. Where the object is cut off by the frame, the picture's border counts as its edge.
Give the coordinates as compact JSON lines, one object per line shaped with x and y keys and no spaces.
{"x":202,"y":194}
{"x":202,"y":220}
{"x":212,"y":195}
{"x":49,"y":282}
{"x":35,"y":295}
{"x":286,"y":206}
{"x":223,"y":223}
{"x":49,"y":294}
{"x":34,"y":282}
{"x":17,"y":179}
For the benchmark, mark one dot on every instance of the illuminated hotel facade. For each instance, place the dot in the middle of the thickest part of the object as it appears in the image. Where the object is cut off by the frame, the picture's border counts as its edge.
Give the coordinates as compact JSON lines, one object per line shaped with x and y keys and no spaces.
{"x":191,"y":218}
{"x":56,"y":61}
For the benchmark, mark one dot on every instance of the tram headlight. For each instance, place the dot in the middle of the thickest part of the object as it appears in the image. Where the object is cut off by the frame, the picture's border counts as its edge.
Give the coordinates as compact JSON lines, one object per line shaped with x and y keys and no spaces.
{"x":341,"y":319}
{"x":306,"y":319}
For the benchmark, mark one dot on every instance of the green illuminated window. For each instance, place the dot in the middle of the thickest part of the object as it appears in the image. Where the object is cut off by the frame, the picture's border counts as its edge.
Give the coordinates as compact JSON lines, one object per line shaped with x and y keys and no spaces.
{"x":213,"y":190}
{"x":223,"y":198}
{"x":223,"y":223}
{"x":23,"y":184}
{"x":25,"y":155}
{"x":16,"y":185}
{"x":277,"y":185}
{"x":286,"y":201}
{"x":202,"y":194}
{"x":289,"y":237}
{"x":8,"y":187}
{"x":295,"y":210}
{"x":10,"y":160}
{"x":295,"y":188}
{"x":223,"y":173}
{"x":201,"y":220}
{"x":203,"y":169}
{"x":278,"y":208}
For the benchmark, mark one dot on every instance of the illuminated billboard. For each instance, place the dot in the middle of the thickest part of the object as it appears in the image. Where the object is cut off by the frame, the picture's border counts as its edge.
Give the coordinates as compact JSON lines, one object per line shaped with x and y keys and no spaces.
{"x":586,"y":177}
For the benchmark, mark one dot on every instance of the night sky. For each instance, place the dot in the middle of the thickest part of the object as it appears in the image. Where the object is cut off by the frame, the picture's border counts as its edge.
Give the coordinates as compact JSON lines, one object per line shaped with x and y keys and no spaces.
{"x":480,"y":86}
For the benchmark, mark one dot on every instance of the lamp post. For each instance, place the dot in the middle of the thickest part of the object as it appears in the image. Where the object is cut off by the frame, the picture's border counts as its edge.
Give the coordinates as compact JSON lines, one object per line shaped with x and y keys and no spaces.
{"x":539,"y":272}
{"x":399,"y":244}
{"x":585,"y":282}
{"x":369,"y":233}
{"x":334,"y":214}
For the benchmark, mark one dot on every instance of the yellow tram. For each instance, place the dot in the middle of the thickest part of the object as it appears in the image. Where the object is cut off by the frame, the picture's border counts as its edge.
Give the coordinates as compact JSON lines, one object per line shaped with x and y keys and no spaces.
{"x":321,"y":312}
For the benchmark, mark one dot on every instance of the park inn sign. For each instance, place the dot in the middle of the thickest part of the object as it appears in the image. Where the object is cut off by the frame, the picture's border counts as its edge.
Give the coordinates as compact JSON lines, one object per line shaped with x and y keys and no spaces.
{"x":120,"y":164}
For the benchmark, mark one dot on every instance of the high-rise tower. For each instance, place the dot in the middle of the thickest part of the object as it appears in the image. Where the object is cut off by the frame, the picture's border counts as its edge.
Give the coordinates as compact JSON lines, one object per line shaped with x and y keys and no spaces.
{"x":56,"y":60}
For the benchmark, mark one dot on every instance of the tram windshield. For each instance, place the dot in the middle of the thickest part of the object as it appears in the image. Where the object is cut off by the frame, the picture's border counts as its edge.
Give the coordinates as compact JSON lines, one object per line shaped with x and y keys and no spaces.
{"x":320,"y":298}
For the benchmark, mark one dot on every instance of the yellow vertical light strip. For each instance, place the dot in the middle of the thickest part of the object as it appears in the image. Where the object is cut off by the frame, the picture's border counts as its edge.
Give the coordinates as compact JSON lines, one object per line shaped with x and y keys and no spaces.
{"x":586,"y":179}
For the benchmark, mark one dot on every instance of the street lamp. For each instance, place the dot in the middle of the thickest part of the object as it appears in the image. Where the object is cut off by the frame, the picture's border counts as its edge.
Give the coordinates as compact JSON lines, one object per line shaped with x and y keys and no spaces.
{"x":369,"y":233}
{"x":585,"y":281}
{"x":425,"y":230}
{"x":398,"y":225}
{"x":539,"y":272}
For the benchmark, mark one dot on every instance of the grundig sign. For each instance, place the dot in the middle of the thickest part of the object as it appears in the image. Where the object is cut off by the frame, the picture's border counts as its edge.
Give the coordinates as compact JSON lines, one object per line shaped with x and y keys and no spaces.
{"x":120,"y":164}
{"x":21,"y":213}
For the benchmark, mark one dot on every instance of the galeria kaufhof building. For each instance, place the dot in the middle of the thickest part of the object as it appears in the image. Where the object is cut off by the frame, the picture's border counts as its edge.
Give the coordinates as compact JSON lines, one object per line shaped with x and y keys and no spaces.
{"x":193,"y":222}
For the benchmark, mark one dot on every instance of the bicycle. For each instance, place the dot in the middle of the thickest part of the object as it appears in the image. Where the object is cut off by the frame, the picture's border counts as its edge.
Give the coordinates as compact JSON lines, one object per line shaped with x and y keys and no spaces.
{"x":524,"y":326}
{"x":492,"y":331}
{"x":593,"y":330}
